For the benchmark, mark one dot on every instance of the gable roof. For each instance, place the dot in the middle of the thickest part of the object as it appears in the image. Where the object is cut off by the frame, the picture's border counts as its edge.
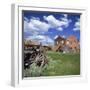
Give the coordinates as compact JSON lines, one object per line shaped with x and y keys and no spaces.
{"x":59,"y":38}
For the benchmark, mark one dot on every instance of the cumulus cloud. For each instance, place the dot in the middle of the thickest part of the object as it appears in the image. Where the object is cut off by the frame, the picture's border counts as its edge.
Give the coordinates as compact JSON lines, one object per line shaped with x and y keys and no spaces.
{"x":45,"y":40}
{"x":38,"y":28}
{"x":60,"y":29}
{"x":35,"y":26}
{"x":65,"y":15}
{"x":64,"y":36}
{"x":56,"y":23}
{"x":40,"y":25}
{"x":77,"y":25}
{"x":52,"y":21}
{"x":25,"y":26}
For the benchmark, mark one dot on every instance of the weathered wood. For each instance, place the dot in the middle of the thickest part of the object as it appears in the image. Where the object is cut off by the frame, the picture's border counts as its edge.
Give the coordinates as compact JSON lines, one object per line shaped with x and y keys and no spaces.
{"x":35,"y":55}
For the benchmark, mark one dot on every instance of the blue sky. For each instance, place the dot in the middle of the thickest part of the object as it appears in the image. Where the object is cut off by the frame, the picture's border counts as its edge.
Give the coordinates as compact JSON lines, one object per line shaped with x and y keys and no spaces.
{"x":46,"y":26}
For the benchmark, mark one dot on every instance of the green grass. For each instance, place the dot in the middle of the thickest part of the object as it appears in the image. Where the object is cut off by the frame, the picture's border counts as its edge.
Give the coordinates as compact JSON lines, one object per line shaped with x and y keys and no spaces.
{"x":59,"y":64}
{"x":62,"y":64}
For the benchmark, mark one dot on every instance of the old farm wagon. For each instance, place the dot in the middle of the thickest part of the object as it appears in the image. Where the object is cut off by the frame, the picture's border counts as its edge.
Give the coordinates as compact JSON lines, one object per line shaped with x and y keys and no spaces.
{"x":34,"y":53}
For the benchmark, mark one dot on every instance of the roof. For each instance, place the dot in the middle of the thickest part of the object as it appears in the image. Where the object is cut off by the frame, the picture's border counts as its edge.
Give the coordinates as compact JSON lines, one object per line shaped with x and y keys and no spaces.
{"x":30,"y":42}
{"x":59,"y":38}
{"x":72,"y":38}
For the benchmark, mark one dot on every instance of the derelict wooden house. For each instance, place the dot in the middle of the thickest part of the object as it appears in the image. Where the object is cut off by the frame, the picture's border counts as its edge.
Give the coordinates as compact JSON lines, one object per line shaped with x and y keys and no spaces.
{"x":70,"y":44}
{"x":28,"y":44}
{"x":59,"y":43}
{"x":73,"y":44}
{"x":59,"y":40}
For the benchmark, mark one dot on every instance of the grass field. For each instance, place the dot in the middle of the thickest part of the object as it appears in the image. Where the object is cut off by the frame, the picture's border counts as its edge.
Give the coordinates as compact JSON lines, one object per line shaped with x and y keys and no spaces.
{"x":62,"y":64}
{"x":59,"y":64}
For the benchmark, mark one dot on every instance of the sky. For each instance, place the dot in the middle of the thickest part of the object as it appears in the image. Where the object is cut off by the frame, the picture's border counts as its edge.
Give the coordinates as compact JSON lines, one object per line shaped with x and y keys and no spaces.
{"x":44,"y":27}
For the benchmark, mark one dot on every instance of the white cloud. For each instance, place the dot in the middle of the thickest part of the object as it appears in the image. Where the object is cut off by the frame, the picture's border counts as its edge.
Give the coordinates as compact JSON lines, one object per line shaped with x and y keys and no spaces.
{"x":56,"y":23}
{"x":35,"y":37}
{"x":42,"y":26}
{"x":64,"y":36}
{"x":36,"y":26}
{"x":65,"y":21}
{"x":45,"y":40}
{"x":35,"y":18}
{"x":52,"y":21}
{"x":60,"y":29}
{"x":25,"y":26}
{"x":77,"y":25}
{"x":29,"y":28}
{"x":65,"y":15}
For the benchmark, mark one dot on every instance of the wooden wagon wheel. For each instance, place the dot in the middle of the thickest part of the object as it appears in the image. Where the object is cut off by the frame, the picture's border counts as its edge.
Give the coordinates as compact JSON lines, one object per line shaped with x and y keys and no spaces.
{"x":40,"y":60}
